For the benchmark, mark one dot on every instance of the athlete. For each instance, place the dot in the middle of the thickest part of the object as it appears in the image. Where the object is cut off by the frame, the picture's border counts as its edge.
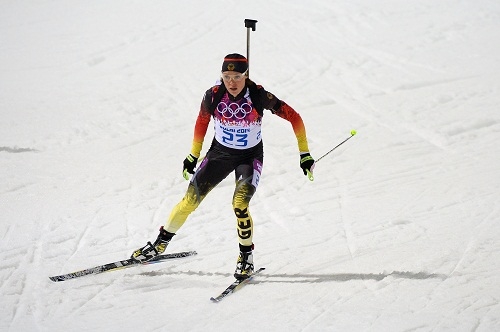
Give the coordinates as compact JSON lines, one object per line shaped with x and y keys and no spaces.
{"x":236,"y":106}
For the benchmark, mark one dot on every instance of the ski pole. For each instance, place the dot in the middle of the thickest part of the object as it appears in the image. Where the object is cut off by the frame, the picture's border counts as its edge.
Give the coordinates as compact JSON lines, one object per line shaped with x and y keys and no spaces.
{"x":309,"y":174}
{"x":353,"y":132}
{"x":249,"y":24}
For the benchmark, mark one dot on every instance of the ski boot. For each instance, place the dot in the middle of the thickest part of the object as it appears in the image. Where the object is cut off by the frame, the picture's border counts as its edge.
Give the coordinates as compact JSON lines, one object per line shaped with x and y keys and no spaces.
{"x":150,"y":251}
{"x":244,"y":265}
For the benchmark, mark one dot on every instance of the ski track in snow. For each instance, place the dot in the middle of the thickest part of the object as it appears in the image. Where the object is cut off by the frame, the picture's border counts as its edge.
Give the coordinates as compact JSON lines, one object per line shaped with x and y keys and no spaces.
{"x":398,"y":232}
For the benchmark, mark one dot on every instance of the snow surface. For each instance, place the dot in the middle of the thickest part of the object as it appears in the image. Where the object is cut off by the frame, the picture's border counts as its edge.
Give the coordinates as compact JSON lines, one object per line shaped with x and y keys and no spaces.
{"x":399,"y":231}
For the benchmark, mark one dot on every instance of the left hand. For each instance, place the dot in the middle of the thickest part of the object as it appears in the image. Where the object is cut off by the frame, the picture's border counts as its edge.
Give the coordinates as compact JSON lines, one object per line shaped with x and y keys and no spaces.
{"x":188,"y":166}
{"x":307,"y":164}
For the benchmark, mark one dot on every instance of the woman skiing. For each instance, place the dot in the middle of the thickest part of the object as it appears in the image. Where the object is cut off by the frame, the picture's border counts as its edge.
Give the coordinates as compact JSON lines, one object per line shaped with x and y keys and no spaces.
{"x":236,"y":106}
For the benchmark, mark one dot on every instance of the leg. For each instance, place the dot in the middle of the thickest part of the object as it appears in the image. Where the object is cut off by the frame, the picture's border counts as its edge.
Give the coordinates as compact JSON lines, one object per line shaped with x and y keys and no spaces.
{"x":183,"y":209}
{"x":246,"y":186}
{"x":241,"y":199}
{"x":208,"y":175}
{"x":211,"y":172}
{"x":247,"y":180}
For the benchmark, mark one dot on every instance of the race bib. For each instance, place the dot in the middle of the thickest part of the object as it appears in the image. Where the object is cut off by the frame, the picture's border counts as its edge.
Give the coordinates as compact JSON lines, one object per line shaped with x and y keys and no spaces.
{"x":237,"y":124}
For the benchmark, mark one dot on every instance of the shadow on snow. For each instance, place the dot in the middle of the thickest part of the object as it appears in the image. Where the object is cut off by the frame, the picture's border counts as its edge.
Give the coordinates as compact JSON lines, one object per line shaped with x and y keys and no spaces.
{"x":312,"y":278}
{"x":16,"y":149}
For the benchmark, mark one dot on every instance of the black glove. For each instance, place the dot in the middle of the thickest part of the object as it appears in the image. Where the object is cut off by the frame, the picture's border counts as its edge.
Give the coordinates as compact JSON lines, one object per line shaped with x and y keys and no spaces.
{"x":306,"y":163}
{"x":189,"y":165}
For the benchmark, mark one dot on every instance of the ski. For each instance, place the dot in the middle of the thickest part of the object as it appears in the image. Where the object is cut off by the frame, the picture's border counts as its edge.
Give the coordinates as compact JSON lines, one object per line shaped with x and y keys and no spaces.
{"x":235,"y":286}
{"x":119,"y":265}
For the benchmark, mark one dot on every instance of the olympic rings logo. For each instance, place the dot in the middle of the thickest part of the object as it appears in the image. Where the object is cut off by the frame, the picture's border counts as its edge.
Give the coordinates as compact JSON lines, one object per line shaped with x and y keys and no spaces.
{"x":234,"y":110}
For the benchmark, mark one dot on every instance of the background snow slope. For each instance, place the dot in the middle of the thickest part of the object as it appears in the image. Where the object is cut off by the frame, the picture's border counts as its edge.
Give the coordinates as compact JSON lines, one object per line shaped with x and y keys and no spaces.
{"x":398,"y":232}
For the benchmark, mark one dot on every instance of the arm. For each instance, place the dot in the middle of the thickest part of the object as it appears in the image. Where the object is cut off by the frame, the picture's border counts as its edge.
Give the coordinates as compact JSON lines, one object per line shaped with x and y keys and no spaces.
{"x":288,"y":113}
{"x":200,"y":130}
{"x":283,"y":110}
{"x":271,"y":102}
{"x":201,"y":126}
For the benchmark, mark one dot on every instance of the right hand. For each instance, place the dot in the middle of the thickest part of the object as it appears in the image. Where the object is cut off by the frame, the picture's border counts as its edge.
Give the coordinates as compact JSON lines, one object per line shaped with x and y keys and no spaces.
{"x":189,"y":165}
{"x":307,"y":164}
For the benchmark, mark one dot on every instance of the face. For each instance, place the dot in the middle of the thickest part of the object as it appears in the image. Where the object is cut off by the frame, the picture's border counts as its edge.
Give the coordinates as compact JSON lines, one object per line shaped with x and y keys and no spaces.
{"x":234,"y":82}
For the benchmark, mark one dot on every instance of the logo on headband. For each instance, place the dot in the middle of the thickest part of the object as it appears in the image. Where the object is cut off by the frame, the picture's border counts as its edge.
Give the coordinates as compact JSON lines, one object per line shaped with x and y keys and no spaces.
{"x":230,"y":67}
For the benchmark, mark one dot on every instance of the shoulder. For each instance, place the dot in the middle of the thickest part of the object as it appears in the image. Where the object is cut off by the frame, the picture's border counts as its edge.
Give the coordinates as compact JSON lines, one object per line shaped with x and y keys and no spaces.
{"x":211,"y":92}
{"x":213,"y":96}
{"x":267,"y":99}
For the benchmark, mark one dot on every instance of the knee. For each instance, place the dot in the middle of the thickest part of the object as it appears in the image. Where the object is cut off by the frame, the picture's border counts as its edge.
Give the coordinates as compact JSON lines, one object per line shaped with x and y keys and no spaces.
{"x":191,"y":200}
{"x":242,"y":195}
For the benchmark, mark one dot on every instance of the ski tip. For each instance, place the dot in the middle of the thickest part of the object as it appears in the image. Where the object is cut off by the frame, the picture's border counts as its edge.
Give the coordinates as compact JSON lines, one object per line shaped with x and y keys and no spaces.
{"x":214,"y":300}
{"x":58,"y":278}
